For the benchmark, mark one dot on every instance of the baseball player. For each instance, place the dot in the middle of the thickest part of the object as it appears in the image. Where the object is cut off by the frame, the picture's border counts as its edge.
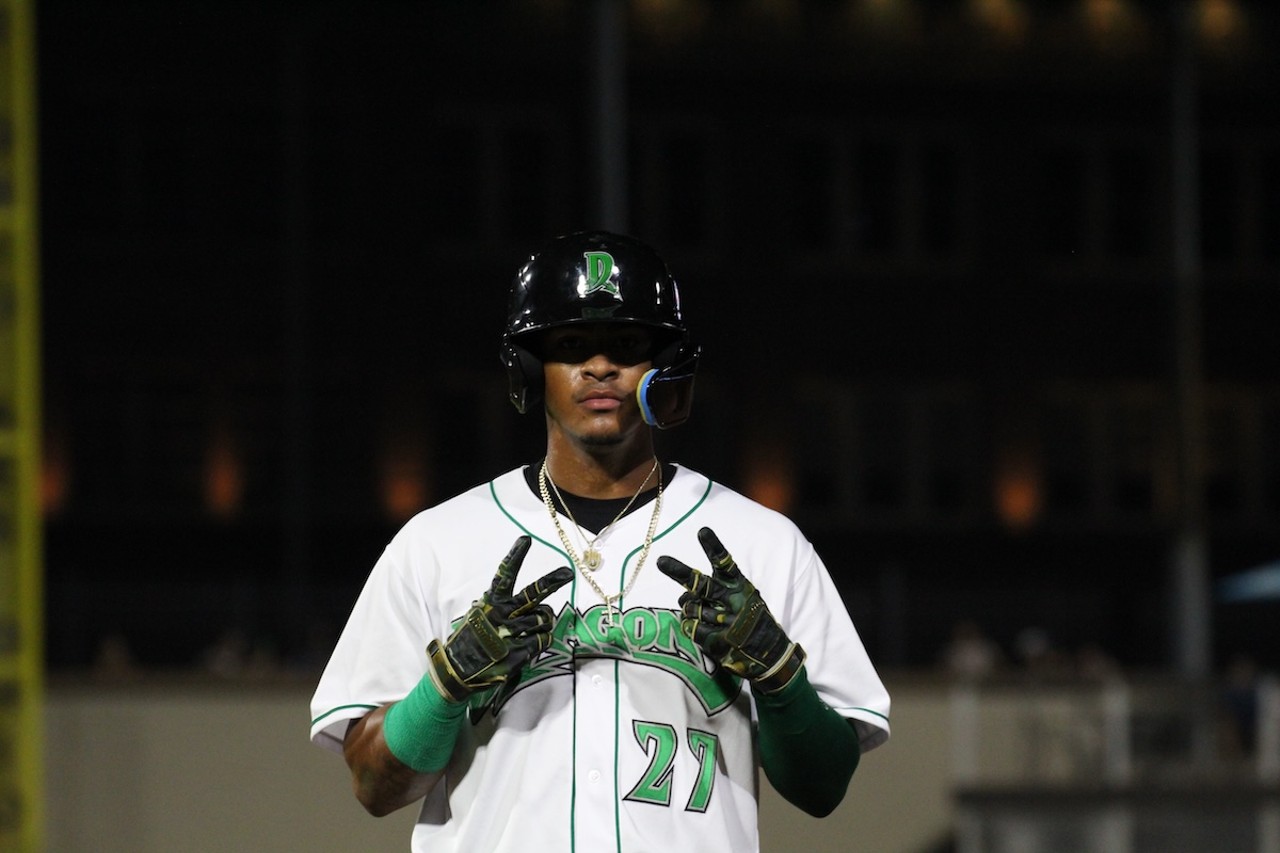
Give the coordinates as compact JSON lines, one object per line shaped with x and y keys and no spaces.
{"x":598,"y":651}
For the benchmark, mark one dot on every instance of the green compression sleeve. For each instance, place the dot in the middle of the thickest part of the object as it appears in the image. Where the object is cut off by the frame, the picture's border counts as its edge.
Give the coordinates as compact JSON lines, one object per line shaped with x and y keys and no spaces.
{"x":421,"y":728}
{"x":807,"y":750}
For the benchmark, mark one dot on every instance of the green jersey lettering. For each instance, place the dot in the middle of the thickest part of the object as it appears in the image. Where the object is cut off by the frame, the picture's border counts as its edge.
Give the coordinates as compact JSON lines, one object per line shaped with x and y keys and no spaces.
{"x":645,"y":636}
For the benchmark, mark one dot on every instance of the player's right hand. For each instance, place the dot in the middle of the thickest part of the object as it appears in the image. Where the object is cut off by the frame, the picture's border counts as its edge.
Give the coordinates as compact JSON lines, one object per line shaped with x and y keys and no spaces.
{"x":500,"y":633}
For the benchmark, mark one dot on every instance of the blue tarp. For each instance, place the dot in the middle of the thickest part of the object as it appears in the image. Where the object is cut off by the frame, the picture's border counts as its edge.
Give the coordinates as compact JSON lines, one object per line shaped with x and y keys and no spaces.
{"x":1260,"y":584}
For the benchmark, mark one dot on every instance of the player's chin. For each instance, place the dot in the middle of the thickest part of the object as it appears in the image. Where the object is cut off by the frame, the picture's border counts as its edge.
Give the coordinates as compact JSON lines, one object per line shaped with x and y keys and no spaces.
{"x":605,"y":432}
{"x":602,"y":438}
{"x":606,"y":428}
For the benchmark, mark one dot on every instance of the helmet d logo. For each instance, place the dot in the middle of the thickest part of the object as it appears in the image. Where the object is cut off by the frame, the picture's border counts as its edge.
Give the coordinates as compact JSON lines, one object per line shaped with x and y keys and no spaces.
{"x":599,"y":275}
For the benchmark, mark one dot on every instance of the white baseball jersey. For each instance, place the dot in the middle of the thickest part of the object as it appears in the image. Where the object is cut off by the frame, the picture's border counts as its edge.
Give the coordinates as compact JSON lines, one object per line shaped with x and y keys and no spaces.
{"x":619,"y":737}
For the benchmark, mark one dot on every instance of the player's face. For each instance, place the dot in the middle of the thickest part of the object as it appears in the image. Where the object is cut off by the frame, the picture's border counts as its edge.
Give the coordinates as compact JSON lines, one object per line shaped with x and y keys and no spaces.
{"x":591,"y":376}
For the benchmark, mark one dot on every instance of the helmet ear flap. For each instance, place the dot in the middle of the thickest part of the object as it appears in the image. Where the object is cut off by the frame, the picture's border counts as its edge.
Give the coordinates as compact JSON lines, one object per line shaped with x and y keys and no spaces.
{"x":665,"y":394}
{"x":524,"y":376}
{"x":667,"y":354}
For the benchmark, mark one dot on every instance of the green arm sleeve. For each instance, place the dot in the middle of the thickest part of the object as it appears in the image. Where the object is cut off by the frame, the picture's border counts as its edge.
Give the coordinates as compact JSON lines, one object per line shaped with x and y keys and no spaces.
{"x":421,"y":728}
{"x":807,"y":750}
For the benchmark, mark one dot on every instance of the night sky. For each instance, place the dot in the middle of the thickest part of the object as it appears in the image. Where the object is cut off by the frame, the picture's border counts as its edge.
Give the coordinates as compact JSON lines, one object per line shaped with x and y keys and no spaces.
{"x":277,"y":239}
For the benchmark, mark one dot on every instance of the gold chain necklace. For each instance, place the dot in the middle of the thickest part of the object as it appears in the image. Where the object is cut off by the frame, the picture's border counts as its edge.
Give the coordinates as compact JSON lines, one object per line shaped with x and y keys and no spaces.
{"x":609,"y":599}
{"x":591,"y":556}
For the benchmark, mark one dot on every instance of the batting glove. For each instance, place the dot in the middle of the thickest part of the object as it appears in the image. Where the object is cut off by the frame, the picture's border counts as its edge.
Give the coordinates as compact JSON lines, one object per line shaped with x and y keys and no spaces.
{"x":724,"y":614}
{"x":500,"y":633}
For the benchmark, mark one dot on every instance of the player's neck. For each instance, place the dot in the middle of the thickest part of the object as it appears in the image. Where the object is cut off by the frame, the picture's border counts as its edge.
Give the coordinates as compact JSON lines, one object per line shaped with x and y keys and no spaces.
{"x":607,"y":472}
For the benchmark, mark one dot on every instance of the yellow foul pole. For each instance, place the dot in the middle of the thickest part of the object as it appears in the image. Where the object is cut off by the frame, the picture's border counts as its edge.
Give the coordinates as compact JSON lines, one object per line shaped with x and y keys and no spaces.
{"x":21,"y":599}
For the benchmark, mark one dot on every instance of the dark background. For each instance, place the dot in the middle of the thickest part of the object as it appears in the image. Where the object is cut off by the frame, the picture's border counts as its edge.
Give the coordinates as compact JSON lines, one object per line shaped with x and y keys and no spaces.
{"x":928,"y":249}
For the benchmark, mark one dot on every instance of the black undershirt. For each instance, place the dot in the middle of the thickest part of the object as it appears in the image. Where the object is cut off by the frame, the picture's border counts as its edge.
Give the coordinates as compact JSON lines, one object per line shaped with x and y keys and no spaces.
{"x":592,"y":514}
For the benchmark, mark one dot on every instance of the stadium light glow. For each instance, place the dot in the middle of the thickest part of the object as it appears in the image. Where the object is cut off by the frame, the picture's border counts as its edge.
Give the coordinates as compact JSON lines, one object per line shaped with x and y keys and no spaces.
{"x":1112,"y":22}
{"x":1019,"y":492}
{"x":223,"y":475}
{"x":1219,"y":20}
{"x":402,"y":480}
{"x":770,"y":480}
{"x":1006,"y":19}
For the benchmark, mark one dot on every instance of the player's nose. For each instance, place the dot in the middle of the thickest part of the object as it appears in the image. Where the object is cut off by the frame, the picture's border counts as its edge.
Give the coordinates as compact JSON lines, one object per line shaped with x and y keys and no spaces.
{"x":600,"y":366}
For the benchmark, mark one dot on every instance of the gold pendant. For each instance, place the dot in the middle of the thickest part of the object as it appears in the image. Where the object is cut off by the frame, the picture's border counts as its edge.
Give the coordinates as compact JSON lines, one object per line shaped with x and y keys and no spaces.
{"x":592,"y":560}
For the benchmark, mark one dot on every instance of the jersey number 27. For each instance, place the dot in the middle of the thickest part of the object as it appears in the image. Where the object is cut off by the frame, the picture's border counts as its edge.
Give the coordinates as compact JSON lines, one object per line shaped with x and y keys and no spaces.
{"x":660,"y":742}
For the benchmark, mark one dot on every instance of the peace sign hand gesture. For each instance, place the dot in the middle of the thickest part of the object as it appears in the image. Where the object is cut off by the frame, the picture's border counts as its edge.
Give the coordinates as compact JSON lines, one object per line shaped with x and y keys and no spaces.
{"x":724,"y":614}
{"x":500,"y":633}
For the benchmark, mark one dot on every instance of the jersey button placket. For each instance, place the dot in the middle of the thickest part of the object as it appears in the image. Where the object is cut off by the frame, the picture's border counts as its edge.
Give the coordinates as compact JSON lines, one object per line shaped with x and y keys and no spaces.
{"x":594,"y":755}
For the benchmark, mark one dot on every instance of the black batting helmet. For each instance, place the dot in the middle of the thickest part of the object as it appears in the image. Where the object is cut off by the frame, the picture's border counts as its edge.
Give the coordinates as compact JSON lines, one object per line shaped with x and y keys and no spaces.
{"x":599,"y":277}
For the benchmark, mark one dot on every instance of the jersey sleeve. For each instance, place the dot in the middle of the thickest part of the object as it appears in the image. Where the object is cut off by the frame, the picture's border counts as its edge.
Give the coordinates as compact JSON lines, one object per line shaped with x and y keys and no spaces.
{"x":381,"y":653}
{"x":837,"y":663}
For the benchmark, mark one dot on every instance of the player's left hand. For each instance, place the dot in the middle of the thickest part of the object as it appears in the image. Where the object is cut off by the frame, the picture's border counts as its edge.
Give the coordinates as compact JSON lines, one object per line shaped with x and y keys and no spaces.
{"x":724,"y":614}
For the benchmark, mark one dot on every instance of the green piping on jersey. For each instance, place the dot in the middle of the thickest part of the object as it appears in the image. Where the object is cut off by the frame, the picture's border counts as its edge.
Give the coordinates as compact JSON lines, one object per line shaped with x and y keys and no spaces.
{"x":573,"y":587}
{"x":333,"y":711}
{"x":617,"y":723}
{"x":493,"y":493}
{"x":573,"y":776}
{"x":869,"y":711}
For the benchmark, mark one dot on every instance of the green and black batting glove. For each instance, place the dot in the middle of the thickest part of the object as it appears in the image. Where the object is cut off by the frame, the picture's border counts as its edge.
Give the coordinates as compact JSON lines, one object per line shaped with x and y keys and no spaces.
{"x":724,"y":614}
{"x":500,"y":633}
